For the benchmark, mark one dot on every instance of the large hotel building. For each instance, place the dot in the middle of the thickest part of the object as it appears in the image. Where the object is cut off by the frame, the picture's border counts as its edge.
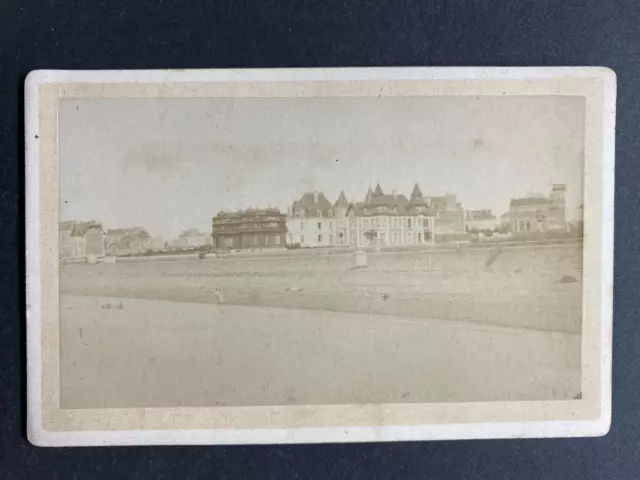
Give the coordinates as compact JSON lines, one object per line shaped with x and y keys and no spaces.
{"x":249,"y":229}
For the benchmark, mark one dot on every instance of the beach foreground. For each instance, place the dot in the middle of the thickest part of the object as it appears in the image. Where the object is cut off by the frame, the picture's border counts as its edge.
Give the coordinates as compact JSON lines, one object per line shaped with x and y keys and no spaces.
{"x":314,"y":330}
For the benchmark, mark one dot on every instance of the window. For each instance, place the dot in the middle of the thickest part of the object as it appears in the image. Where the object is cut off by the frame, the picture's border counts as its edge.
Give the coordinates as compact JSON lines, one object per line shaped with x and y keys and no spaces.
{"x":330,"y":225}
{"x":277,"y":239}
{"x":365,"y":223}
{"x":353,"y":223}
{"x":410,"y":238}
{"x":409,"y":222}
{"x":374,"y":223}
{"x":353,"y":238}
{"x":330,"y":238}
{"x":319,"y":225}
{"x":319,"y":238}
{"x":266,"y":239}
{"x":331,"y":213}
{"x":341,"y":234}
{"x":228,"y":242}
{"x":255,"y":239}
{"x":319,"y":213}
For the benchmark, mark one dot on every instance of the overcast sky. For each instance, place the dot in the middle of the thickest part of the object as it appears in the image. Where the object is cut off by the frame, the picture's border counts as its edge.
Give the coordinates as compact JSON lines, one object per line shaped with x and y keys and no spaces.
{"x":172,"y":164}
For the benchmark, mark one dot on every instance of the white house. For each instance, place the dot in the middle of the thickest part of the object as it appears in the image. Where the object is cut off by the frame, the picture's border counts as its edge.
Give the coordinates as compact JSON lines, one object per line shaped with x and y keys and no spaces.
{"x":311,"y":222}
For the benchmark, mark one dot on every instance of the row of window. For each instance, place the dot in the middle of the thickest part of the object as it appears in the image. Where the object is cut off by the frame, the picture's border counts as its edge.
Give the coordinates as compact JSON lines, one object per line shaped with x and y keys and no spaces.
{"x":393,"y":239}
{"x":319,"y":238}
{"x":246,"y":219}
{"x":248,"y":225}
{"x":319,"y":214}
{"x":254,"y":241}
{"x":380,"y":222}
{"x":391,"y":222}
{"x":319,"y":225}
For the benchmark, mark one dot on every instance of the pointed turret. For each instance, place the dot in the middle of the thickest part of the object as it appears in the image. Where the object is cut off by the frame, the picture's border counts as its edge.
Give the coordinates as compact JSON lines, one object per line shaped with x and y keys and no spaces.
{"x":369,"y":196}
{"x":416,"y":191}
{"x":342,"y":200}
{"x":378,"y":191}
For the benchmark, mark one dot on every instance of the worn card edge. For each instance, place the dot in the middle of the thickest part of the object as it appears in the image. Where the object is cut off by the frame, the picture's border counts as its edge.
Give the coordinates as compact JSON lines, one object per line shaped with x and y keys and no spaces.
{"x":40,"y":436}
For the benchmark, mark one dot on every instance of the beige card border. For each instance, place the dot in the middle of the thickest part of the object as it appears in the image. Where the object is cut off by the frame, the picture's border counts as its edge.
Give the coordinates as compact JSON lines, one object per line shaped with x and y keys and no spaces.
{"x":50,"y":425}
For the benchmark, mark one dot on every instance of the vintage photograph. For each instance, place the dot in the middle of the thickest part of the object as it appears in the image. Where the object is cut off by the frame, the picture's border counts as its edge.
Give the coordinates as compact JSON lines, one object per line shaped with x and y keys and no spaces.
{"x":276,"y":251}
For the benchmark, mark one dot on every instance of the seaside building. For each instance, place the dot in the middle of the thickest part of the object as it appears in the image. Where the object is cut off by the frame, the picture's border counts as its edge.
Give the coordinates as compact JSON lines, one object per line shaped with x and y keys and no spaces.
{"x":391,"y":219}
{"x":312,"y":221}
{"x":249,"y":229}
{"x":538,"y":214}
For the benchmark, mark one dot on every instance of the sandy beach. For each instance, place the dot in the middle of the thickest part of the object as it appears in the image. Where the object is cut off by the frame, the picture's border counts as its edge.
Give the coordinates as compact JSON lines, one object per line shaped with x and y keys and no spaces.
{"x":408,"y":328}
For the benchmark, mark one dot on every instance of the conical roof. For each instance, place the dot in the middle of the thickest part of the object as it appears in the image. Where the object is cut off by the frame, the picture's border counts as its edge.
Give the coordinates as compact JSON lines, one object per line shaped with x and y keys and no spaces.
{"x":416,"y":191}
{"x":378,"y":191}
{"x":342,"y":199}
{"x":369,"y":195}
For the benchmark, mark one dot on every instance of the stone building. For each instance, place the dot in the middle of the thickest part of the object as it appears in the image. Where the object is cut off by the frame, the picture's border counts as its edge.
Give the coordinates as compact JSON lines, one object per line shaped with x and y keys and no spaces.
{"x":249,"y":229}
{"x":538,"y":214}
{"x":312,"y":221}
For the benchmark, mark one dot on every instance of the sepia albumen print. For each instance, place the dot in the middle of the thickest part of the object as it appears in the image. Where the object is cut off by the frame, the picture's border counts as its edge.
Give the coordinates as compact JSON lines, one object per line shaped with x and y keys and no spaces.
{"x":320,"y":251}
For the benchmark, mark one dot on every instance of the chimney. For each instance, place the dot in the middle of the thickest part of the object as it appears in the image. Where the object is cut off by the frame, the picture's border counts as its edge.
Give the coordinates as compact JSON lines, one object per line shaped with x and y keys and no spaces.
{"x":393,"y":192}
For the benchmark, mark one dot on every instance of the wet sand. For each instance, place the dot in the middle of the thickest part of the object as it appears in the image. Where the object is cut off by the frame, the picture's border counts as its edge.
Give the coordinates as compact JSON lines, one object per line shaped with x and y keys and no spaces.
{"x":151,"y":353}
